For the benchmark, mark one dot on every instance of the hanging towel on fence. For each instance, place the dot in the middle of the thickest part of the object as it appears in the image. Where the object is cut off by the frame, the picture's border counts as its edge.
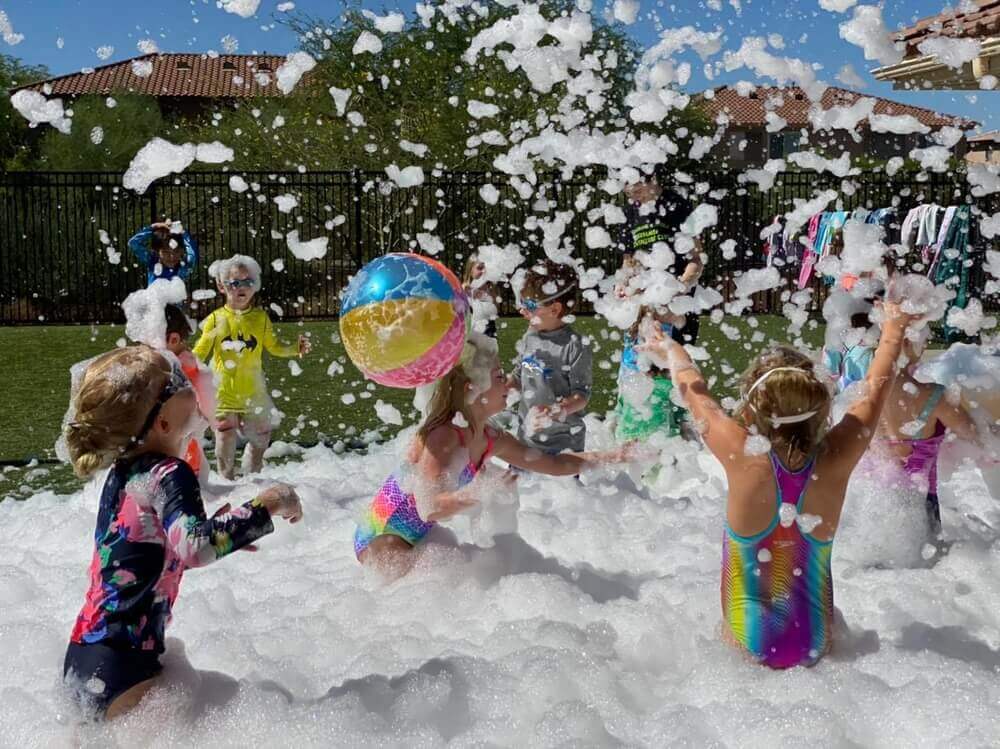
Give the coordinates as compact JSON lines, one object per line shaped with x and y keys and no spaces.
{"x":809,"y":254}
{"x":951,"y":266}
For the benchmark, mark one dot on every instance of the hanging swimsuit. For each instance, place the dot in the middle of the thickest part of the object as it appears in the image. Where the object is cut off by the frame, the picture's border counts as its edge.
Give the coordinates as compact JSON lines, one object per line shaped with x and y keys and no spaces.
{"x":777,"y":588}
{"x":394,"y":511}
{"x":920,"y":465}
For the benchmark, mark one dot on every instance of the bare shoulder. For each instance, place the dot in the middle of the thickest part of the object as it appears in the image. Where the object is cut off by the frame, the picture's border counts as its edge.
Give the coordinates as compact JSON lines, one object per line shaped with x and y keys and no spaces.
{"x":441,"y":439}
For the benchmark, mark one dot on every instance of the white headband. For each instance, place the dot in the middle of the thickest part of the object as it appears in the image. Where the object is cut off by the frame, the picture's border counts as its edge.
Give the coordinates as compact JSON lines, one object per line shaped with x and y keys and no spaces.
{"x":777,"y":421}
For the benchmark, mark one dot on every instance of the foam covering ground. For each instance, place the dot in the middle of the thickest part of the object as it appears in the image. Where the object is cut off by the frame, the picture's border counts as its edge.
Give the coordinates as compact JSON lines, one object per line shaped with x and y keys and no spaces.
{"x":594,"y":624}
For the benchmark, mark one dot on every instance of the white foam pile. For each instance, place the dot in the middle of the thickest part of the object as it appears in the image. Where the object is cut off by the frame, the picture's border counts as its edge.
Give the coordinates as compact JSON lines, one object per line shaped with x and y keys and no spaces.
{"x":594,"y":623}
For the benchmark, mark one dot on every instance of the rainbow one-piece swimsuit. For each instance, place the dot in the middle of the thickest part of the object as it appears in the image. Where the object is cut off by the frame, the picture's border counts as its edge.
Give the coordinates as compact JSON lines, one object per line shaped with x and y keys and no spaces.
{"x":777,"y":588}
{"x":394,"y":511}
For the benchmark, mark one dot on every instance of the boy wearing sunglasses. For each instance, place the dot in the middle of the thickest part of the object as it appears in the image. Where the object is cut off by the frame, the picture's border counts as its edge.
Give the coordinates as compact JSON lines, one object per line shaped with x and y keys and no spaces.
{"x":553,"y":369}
{"x":235,"y":337}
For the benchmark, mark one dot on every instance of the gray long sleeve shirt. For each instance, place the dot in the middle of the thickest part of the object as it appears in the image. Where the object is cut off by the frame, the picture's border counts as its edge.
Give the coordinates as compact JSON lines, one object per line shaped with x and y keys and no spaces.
{"x":553,"y":365}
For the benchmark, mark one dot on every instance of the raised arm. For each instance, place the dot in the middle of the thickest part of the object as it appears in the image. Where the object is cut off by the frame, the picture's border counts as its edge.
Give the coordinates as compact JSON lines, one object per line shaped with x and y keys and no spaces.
{"x":141,"y":244}
{"x":852,"y":435}
{"x":196,"y":539}
{"x":723,"y":435}
{"x":190,"y":255}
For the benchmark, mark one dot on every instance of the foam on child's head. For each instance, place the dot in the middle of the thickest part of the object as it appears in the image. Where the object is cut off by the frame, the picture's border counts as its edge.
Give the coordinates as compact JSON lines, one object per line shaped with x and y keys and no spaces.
{"x":222,"y":270}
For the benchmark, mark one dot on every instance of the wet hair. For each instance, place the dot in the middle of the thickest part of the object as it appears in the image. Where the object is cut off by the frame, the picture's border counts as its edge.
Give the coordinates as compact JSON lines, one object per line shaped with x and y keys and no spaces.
{"x":115,"y":397}
{"x":453,"y":394}
{"x":789,"y":392}
{"x":177,"y":321}
{"x":548,"y":279}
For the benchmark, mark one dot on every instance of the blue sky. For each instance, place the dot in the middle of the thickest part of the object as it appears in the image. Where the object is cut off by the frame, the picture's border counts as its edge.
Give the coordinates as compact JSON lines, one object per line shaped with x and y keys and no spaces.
{"x":198,"y":25}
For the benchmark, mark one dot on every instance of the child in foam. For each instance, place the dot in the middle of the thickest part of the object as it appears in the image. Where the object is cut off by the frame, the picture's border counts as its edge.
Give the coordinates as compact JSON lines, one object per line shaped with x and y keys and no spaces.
{"x":235,"y":337}
{"x":896,"y":485}
{"x":785,"y":496}
{"x":554,"y":367}
{"x":178,"y":331}
{"x":165,"y":250}
{"x":438,"y":479}
{"x":134,"y":412}
{"x":644,"y":406}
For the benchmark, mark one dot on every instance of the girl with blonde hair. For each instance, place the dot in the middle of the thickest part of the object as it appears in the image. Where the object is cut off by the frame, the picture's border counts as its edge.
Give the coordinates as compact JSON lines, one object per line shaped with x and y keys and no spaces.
{"x":134,"y":412}
{"x":450,"y":448}
{"x":787,"y":473}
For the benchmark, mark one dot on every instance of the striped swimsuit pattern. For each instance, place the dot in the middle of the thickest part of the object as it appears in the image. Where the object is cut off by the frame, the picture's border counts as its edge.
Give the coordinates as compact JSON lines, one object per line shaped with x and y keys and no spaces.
{"x":394,"y":511}
{"x":777,"y":587}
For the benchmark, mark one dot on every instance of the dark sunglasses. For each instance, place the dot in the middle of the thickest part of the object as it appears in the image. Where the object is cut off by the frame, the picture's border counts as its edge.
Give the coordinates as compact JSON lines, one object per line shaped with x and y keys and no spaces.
{"x":237,"y":283}
{"x":177,"y":382}
{"x":532,"y":305}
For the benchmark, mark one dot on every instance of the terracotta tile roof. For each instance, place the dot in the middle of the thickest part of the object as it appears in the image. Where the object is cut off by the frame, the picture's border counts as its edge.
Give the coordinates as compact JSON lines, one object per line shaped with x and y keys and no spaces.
{"x":748,"y":111}
{"x":173,"y":74}
{"x":983,"y":21}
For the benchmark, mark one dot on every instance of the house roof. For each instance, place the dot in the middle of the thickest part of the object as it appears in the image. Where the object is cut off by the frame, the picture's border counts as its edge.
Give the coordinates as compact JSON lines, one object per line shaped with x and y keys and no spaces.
{"x":749,"y":111}
{"x":993,"y":136}
{"x":173,"y":75}
{"x":980,"y":22}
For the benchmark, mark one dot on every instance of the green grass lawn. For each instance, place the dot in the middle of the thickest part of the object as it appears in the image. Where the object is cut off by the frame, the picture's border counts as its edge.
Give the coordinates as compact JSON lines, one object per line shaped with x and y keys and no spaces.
{"x":37,"y":362}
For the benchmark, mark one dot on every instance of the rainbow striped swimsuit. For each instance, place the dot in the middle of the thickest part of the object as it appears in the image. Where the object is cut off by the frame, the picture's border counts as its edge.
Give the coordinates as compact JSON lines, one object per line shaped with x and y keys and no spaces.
{"x":394,"y":511}
{"x":777,"y":589}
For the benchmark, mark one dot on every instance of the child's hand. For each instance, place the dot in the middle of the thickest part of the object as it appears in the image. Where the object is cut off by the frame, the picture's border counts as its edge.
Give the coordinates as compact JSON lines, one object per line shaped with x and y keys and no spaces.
{"x":894,"y":317}
{"x":282,"y":500}
{"x":305,"y":346}
{"x":447,"y":505}
{"x":542,"y":417}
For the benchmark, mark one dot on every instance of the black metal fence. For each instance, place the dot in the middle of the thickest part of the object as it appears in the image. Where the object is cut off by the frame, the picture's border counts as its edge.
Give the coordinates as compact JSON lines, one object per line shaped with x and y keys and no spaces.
{"x":63,"y":235}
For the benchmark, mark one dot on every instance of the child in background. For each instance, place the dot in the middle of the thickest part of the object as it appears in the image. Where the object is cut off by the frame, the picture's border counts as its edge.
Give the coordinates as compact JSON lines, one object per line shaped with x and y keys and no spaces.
{"x":135,"y":412}
{"x":438,"y":478}
{"x":787,"y":478}
{"x":235,"y":337}
{"x":644,"y":405}
{"x":482,"y":294}
{"x":164,"y":252}
{"x":178,"y":331}
{"x":914,"y":425}
{"x":553,"y":368}
{"x":848,"y":363}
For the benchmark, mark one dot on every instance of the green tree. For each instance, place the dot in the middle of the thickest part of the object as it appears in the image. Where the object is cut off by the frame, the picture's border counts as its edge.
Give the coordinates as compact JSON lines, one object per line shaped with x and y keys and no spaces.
{"x":415,"y":89}
{"x":17,"y":140}
{"x":103,"y":137}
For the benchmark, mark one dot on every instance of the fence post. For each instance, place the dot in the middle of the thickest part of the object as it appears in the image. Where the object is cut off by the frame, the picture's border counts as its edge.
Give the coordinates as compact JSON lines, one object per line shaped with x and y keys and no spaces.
{"x":358,"y":247}
{"x":152,"y":204}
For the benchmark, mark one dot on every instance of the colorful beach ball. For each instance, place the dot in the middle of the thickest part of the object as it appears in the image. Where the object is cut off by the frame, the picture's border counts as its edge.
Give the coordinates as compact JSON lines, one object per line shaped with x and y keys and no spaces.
{"x":403,"y":320}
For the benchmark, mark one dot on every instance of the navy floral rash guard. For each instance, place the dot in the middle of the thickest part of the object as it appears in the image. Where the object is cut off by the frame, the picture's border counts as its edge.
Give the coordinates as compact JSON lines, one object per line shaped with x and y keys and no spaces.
{"x":151,"y":526}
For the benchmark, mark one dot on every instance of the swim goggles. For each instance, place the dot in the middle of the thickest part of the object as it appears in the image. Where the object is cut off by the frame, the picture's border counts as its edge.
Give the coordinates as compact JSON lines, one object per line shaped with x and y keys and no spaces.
{"x":777,"y":421}
{"x":176,"y":382}
{"x":236,"y":283}
{"x":532,"y":305}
